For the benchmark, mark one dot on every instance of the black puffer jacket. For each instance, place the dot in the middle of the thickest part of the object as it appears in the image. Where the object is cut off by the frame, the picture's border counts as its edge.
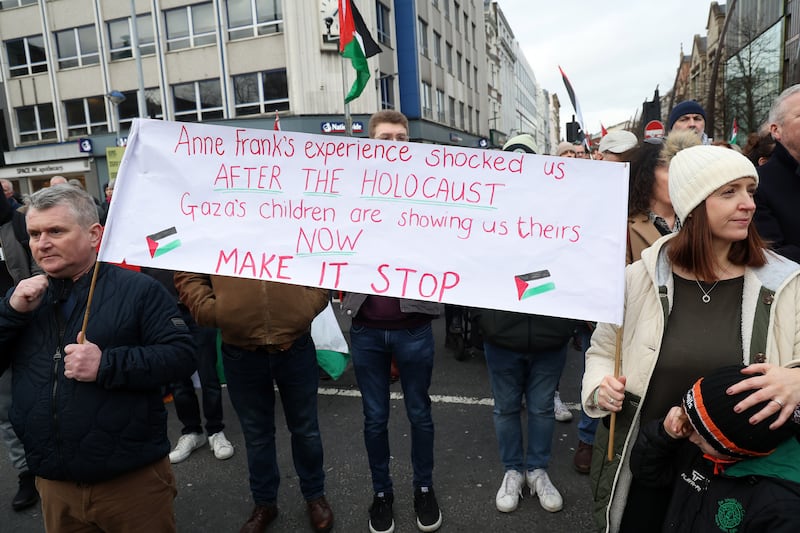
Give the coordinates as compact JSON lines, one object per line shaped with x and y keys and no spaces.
{"x":91,"y":432}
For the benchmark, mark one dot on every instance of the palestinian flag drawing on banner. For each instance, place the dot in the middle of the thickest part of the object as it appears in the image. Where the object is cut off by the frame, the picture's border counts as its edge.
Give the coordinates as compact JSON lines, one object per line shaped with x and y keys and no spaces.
{"x":356,"y":44}
{"x":162,"y":242}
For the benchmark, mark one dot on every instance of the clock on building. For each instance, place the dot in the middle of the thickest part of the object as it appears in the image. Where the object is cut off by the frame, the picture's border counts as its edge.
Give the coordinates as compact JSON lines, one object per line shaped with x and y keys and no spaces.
{"x":329,"y":17}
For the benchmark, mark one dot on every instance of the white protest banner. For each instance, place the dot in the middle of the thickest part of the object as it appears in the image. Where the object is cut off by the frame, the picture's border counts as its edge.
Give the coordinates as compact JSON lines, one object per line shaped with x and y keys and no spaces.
{"x":492,"y":229}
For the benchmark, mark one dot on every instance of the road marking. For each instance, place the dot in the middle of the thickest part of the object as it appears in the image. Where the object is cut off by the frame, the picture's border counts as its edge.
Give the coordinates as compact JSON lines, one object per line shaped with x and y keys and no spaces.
{"x":435,"y":398}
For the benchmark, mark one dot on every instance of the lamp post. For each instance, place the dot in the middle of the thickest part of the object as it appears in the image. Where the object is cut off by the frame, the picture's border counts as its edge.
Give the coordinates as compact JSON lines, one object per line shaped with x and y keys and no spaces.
{"x":116,"y":98}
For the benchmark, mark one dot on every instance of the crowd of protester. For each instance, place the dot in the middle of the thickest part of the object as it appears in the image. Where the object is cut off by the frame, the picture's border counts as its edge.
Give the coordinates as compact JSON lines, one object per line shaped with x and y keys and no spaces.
{"x":695,"y":397}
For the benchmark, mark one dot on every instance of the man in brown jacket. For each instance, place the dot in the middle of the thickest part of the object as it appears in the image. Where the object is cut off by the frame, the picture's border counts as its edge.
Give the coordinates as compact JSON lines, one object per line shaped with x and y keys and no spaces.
{"x":265,"y":339}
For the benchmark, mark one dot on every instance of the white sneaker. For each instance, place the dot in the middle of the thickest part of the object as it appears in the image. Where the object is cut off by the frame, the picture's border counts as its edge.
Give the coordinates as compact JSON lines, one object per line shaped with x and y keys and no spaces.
{"x":560,"y":410}
{"x":510,"y":491}
{"x":186,"y":445}
{"x":223,"y":449}
{"x":540,"y":484}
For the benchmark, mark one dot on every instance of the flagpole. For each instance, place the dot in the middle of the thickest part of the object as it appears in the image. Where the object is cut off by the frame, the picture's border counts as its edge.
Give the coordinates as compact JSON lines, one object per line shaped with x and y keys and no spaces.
{"x":348,"y":120}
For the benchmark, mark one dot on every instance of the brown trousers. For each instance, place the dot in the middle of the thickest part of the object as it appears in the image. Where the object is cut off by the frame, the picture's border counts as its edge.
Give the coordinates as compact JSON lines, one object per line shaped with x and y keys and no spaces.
{"x":137,"y":501}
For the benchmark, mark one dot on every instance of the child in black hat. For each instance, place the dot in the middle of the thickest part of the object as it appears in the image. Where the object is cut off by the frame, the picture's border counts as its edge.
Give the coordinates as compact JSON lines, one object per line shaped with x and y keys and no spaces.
{"x":726,"y":474}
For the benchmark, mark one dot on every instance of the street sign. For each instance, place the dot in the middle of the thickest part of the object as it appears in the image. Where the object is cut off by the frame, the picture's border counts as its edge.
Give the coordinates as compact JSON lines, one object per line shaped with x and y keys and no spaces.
{"x":654,"y":128}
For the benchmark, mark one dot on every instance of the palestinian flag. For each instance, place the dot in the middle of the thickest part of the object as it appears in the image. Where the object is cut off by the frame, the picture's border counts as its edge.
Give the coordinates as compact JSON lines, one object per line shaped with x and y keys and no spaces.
{"x":357,"y":44}
{"x":575,"y":104}
{"x":734,"y":132}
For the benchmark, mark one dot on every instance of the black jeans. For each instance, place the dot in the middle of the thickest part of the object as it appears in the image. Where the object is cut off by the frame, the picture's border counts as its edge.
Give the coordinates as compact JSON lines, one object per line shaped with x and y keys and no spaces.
{"x":186,"y":404}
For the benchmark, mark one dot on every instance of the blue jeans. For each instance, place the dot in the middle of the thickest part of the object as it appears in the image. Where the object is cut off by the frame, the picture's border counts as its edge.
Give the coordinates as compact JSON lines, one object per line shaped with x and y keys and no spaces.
{"x":413,"y":349}
{"x":250,"y":377}
{"x":587,"y":426}
{"x":534,"y":376}
{"x":186,"y":406}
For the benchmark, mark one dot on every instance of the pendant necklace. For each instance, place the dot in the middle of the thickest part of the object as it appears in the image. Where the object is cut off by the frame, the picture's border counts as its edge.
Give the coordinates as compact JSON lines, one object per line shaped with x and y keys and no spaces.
{"x":706,"y":298}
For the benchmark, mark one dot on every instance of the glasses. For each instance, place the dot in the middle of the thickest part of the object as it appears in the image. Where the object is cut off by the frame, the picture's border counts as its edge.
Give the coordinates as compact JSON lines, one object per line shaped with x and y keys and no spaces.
{"x":402,"y":137}
{"x":654,"y":140}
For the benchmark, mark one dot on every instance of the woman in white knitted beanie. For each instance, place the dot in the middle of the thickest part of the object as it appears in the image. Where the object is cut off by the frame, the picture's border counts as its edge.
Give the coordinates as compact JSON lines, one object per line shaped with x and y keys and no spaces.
{"x":708,"y":296}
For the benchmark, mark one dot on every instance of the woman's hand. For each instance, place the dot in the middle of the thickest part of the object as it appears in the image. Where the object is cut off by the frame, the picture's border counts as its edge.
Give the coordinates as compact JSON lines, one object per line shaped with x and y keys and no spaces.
{"x":780,"y":386}
{"x":610,"y":393}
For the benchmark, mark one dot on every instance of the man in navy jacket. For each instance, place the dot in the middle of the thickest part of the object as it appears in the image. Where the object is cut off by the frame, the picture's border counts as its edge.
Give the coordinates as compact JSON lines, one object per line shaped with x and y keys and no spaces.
{"x":89,"y":410}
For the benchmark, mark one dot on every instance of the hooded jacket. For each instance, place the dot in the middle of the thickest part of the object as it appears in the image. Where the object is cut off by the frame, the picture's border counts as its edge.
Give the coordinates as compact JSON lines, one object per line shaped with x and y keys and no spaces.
{"x":89,"y":432}
{"x":770,"y":331}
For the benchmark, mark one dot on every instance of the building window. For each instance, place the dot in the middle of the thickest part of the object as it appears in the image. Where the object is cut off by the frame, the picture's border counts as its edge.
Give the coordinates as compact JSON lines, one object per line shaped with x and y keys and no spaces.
{"x":448,"y":57}
{"x":197,"y":100}
{"x":384,"y":24}
{"x":474,"y":34}
{"x":435,"y":4}
{"x":36,"y":123}
{"x":387,"y":91}
{"x":190,"y":26}
{"x":77,"y":47}
{"x":26,"y":56}
{"x":458,"y":66}
{"x":461,"y":115}
{"x":86,"y":116}
{"x":437,"y":49}
{"x":456,"y":15}
{"x":466,"y":25}
{"x":475,"y":78}
{"x":8,"y":4}
{"x":477,"y":121}
{"x":261,"y":92}
{"x":469,"y":118}
{"x":250,"y":18}
{"x":447,"y":9}
{"x":440,"y":111}
{"x":469,"y":78}
{"x":427,"y":112}
{"x":452,"y":108}
{"x":422,"y":27}
{"x":129,"y":108}
{"x":119,"y":35}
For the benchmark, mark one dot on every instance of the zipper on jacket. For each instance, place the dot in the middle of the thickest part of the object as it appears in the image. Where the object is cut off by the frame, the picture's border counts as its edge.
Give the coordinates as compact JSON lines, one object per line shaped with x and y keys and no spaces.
{"x":57,"y":357}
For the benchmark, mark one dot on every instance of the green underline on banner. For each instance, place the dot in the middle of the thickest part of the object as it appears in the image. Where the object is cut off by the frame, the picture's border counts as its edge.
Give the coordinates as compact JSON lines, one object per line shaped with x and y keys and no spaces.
{"x":245,"y":189}
{"x":314,"y":254}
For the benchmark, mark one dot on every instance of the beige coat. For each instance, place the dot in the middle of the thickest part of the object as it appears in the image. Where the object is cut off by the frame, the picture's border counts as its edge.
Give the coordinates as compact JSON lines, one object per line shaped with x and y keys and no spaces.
{"x":643,"y":330}
{"x":641,"y":234}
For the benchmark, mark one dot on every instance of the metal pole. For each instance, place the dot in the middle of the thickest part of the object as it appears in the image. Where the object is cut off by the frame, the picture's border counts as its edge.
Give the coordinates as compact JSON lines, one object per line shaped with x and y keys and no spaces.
{"x":137,"y":55}
{"x":348,"y":120}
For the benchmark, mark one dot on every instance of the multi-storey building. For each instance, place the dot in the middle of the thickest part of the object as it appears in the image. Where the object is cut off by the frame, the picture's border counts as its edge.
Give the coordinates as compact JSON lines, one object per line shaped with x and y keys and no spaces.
{"x":516,"y":102}
{"x":75,"y":73}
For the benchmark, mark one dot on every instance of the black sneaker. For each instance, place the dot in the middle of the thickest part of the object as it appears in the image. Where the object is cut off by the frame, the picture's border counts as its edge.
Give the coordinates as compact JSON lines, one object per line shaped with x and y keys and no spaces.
{"x":429,"y":517}
{"x":381,"y":518}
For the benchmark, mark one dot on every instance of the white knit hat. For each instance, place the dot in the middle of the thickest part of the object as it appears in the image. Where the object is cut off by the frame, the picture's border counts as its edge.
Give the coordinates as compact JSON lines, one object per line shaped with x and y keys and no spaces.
{"x":696,"y":172}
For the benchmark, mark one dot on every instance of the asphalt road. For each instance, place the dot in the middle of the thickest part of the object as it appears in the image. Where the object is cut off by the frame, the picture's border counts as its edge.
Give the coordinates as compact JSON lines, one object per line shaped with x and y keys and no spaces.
{"x":213,"y":495}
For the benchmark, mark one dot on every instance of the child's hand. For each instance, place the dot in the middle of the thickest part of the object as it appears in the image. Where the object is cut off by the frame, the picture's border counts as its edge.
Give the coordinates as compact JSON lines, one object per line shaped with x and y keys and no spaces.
{"x":677,"y":424}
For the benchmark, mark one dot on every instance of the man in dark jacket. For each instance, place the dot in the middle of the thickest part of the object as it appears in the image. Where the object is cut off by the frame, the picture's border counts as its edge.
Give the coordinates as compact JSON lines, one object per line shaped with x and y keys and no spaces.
{"x":16,"y":264}
{"x":88,"y":408}
{"x":778,"y":195}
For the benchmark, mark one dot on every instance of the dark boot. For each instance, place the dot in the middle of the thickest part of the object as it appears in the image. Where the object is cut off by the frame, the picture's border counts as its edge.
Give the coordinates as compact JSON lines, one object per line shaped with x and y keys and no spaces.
{"x":27,"y":495}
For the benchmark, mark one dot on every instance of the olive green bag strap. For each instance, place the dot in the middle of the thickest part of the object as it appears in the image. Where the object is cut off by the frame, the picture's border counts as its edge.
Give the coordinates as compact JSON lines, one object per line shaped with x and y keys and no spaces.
{"x":758,"y":341}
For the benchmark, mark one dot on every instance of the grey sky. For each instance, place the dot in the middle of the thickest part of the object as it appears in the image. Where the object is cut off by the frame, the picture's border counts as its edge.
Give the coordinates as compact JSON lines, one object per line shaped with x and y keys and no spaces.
{"x":614,"y":52}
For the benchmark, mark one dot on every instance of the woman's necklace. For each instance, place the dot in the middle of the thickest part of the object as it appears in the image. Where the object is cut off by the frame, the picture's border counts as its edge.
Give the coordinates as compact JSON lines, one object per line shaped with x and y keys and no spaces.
{"x":706,"y":293}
